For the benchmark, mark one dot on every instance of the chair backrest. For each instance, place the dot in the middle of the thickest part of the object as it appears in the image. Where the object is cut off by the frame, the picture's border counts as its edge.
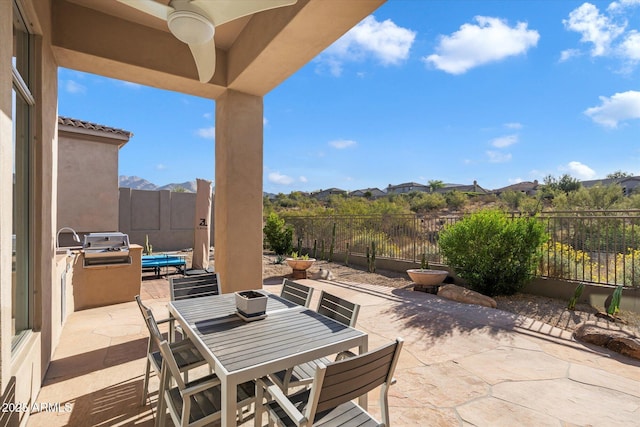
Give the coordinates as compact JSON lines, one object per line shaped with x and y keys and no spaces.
{"x":296,"y":292}
{"x":194,"y":286}
{"x":338,"y":309}
{"x":340,"y":382}
{"x":171,"y":365}
{"x":150,"y":321}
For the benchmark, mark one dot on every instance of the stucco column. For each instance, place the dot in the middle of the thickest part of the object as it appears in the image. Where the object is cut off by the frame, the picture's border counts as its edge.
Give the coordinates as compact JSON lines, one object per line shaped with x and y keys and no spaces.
{"x":238,"y":191}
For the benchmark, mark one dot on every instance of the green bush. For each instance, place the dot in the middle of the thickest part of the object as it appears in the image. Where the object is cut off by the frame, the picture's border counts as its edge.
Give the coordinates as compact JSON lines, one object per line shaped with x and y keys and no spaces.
{"x":279,"y":237}
{"x":496,"y":255}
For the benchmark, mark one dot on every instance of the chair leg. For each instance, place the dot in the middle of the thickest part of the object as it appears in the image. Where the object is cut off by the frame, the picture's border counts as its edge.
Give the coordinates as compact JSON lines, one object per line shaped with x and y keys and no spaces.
{"x":257,"y":413}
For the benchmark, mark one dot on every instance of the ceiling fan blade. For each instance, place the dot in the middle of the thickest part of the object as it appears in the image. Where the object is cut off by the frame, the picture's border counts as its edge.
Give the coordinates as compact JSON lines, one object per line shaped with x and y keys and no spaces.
{"x":221,"y":11}
{"x":205,"y":57}
{"x":151,"y":7}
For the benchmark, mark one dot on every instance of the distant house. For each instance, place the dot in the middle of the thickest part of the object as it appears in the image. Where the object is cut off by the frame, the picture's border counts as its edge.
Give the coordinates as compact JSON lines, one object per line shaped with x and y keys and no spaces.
{"x":463,"y":188}
{"x":372,"y":193}
{"x":407,"y":187}
{"x":629,"y":184}
{"x":527,"y":187}
{"x":324,"y":194}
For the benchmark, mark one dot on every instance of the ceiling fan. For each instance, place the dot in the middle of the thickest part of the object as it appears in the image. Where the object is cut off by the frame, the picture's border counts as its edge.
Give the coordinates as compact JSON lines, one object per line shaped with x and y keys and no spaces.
{"x":193,"y":22}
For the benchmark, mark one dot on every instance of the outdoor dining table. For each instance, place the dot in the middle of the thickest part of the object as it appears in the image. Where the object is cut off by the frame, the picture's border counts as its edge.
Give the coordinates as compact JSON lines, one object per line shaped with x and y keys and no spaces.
{"x":239,"y":351}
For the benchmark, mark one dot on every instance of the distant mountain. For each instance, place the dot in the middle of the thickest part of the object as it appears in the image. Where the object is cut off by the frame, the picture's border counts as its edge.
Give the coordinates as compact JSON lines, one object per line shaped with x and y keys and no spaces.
{"x":189,"y":187}
{"x":137,"y":183}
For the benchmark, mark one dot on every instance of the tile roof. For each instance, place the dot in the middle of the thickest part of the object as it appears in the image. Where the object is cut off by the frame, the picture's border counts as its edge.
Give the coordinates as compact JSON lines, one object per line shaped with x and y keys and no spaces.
{"x":92,"y":126}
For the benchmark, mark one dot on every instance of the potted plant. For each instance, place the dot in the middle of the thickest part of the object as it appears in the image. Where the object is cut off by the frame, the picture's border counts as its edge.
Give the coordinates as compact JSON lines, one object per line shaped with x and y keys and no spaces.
{"x":300,"y":264}
{"x":425,"y":278}
{"x":251,"y":304}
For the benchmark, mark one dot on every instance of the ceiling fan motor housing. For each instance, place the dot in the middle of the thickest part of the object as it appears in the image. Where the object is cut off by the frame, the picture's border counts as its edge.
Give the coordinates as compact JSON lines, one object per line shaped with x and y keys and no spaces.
{"x":190,"y":27}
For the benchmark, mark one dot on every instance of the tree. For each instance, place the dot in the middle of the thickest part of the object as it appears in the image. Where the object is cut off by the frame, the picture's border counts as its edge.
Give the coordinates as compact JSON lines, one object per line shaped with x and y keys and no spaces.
{"x":566,"y":183}
{"x":434,"y":184}
{"x":619,"y":174}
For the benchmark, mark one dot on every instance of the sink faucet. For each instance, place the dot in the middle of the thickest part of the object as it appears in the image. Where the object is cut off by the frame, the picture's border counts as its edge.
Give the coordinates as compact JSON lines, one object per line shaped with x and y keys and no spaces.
{"x":75,"y":235}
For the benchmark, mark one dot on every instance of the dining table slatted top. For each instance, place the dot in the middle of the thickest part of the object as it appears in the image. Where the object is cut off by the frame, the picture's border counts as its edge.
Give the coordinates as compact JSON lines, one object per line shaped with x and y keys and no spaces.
{"x":290,"y":334}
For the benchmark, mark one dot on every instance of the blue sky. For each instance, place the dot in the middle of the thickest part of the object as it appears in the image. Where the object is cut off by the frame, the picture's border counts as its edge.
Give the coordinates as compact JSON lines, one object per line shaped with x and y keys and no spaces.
{"x":494,"y":91}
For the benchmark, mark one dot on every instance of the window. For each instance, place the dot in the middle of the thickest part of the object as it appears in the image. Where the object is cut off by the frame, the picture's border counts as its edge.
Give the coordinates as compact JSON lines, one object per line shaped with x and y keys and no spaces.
{"x":22,"y":110}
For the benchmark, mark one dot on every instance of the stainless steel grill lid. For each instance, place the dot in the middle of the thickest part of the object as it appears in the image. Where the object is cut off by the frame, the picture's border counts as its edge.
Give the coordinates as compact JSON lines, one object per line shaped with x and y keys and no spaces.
{"x":113,"y":246}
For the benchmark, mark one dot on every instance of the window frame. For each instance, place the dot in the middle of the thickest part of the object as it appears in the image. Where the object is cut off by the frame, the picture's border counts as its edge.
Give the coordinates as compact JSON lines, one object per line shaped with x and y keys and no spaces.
{"x":22,"y":85}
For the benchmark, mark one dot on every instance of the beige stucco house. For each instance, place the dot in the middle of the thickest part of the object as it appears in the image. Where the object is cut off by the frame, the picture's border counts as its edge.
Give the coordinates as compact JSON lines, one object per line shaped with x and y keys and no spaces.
{"x":87,"y":197}
{"x":254,"y":55}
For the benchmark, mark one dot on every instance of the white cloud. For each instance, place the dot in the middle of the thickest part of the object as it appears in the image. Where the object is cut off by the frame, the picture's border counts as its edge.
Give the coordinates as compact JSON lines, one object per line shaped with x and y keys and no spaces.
{"x":619,"y":107}
{"x":595,"y":28}
{"x":514,"y":180}
{"x":565,"y":55}
{"x":72,"y":86}
{"x":303,"y":179}
{"x":388,"y":43}
{"x":208,"y":115}
{"x":209,"y":133}
{"x":498,"y":157}
{"x":341,"y":144}
{"x":504,"y":141}
{"x":513,"y":125}
{"x":630,"y":46}
{"x":160,"y":166}
{"x":580,"y":171}
{"x":619,"y":6}
{"x":278,"y":178}
{"x":473,"y":45}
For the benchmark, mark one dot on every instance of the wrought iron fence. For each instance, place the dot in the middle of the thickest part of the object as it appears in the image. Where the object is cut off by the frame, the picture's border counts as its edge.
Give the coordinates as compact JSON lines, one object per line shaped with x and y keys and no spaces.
{"x":601,"y":247}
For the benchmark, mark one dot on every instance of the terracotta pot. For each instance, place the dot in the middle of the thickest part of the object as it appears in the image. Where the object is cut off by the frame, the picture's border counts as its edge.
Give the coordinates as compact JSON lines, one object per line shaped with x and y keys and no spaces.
{"x":300,"y":264}
{"x":427,"y":277}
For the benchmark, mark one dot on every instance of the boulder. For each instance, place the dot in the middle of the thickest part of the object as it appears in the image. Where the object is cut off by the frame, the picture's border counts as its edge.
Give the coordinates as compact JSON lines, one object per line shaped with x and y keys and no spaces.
{"x":464,"y":295}
{"x":616,"y":339}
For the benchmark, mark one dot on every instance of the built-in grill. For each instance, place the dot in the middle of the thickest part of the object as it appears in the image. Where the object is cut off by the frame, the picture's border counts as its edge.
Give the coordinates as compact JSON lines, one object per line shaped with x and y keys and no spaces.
{"x":106,"y":249}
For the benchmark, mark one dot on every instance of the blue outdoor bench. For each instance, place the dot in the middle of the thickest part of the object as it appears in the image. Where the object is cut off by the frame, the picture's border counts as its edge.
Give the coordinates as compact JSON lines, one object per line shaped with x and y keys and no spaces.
{"x":156,"y":262}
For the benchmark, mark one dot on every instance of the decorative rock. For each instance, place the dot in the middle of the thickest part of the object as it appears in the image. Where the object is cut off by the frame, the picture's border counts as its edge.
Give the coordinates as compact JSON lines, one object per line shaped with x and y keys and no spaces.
{"x":615,"y":339}
{"x":467,"y":296}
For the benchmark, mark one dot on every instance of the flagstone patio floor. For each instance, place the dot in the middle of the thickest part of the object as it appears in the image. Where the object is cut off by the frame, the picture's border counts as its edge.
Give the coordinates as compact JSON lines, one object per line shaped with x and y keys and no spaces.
{"x":461,"y":365}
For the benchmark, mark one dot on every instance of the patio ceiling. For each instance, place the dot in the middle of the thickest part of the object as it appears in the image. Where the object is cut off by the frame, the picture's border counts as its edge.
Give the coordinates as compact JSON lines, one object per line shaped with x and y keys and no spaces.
{"x":254,"y":54}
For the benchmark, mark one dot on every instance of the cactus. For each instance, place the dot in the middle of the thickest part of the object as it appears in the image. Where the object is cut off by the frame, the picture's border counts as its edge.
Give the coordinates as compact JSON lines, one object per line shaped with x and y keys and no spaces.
{"x":346,"y":256}
{"x":424,"y":264}
{"x":368,"y":259}
{"x":148,"y":249}
{"x":576,"y":294}
{"x":333,"y":242}
{"x":373,"y":257}
{"x":315,"y":248}
{"x":614,"y":307}
{"x":299,"y":245}
{"x":322,"y":249}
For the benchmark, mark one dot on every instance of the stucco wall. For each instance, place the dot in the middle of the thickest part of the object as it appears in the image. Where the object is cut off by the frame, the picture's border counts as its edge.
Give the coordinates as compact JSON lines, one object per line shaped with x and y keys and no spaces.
{"x":87,"y":183}
{"x":168,"y":218}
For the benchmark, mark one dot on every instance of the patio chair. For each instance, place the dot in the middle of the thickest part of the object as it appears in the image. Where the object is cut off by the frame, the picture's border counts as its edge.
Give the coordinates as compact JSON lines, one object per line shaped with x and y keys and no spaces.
{"x":296,"y":292}
{"x":186,"y":355}
{"x":329,"y":400}
{"x":194,"y":286}
{"x":196,"y":403}
{"x":331,"y":306}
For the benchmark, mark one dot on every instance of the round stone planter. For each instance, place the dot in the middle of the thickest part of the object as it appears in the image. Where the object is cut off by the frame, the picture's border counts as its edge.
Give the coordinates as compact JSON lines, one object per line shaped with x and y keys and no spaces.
{"x":300,"y":266}
{"x":427,"y":280}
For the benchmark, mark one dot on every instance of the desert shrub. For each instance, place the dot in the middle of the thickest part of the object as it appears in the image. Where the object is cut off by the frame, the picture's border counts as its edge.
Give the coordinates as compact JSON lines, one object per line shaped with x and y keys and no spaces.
{"x":278,"y":236}
{"x":427,"y":202}
{"x":496,"y":255}
{"x":630,"y":263}
{"x":456,"y":199}
{"x":562,"y":260}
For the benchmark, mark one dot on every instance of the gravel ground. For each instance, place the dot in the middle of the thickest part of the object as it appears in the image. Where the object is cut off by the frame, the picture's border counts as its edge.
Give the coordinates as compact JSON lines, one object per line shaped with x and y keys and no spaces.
{"x":548,"y":310}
